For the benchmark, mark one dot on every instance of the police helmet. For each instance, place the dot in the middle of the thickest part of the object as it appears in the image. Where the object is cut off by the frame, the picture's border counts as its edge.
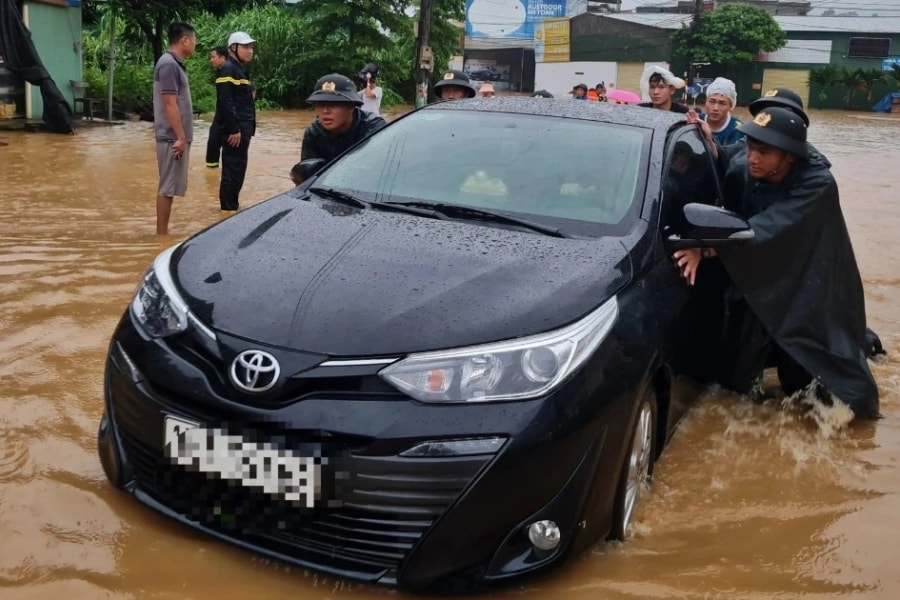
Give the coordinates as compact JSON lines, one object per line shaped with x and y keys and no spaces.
{"x":335,"y":88}
{"x":457,"y":78}
{"x":780,"y":128}
{"x":782,"y":97}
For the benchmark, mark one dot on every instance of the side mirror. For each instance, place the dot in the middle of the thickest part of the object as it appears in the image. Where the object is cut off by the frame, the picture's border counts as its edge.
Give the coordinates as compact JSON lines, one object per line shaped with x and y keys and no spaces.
{"x":711,"y":226}
{"x":305,"y":169}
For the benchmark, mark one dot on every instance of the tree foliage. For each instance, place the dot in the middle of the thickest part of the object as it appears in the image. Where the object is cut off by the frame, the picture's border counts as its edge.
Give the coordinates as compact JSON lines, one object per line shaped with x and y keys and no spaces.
{"x":148,"y":20}
{"x":729,"y":35}
{"x":295,"y":46}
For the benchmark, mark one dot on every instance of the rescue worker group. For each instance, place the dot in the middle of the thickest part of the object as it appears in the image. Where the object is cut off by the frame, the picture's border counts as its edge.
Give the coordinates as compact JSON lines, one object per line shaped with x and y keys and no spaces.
{"x":781,"y":310}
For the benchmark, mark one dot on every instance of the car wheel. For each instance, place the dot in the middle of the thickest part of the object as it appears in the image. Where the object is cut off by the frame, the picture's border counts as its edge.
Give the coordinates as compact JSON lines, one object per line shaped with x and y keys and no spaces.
{"x":637,"y":467}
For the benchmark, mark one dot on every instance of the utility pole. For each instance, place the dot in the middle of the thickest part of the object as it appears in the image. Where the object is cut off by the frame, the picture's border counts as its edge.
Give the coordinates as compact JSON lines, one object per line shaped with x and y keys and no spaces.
{"x":424,"y":58}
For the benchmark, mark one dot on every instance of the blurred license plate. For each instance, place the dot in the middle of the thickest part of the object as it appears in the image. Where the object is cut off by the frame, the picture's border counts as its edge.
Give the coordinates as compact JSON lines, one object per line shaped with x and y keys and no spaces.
{"x":275,"y":471}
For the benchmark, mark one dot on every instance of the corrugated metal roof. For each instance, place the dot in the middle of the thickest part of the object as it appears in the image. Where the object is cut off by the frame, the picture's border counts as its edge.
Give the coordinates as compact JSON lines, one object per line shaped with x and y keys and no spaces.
{"x":788,"y":24}
{"x":841,"y":24}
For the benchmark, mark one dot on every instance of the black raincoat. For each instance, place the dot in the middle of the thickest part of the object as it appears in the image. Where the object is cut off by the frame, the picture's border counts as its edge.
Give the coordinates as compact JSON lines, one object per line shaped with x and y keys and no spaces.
{"x":799,"y":274}
{"x":318,"y":143}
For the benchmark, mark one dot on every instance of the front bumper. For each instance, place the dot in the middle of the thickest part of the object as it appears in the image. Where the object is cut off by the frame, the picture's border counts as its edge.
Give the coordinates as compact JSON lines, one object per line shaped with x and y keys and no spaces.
{"x":413,"y":522}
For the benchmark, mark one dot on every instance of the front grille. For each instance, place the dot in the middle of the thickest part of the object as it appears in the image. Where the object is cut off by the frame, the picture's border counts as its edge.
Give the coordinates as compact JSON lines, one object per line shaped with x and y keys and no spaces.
{"x":386,"y":505}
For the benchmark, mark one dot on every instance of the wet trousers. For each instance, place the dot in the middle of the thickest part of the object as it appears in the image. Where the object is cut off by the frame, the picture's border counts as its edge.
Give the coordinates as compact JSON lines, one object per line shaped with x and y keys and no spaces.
{"x":214,"y":145}
{"x":750,"y":349}
{"x":234,"y":167}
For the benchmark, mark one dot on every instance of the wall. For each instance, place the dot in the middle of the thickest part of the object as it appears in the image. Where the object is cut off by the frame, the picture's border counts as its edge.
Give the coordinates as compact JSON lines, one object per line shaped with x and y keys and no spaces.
{"x":56,"y":33}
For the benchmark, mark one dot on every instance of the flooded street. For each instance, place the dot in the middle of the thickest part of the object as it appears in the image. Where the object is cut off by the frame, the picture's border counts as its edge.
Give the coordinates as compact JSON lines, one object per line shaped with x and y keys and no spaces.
{"x":747,"y":502}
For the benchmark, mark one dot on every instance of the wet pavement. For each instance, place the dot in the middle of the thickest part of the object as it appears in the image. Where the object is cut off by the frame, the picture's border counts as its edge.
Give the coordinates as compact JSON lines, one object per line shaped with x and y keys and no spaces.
{"x":748,"y":501}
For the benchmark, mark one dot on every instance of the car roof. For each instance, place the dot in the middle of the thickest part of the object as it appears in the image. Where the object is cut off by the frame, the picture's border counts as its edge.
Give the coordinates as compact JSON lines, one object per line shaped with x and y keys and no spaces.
{"x":603,"y":112}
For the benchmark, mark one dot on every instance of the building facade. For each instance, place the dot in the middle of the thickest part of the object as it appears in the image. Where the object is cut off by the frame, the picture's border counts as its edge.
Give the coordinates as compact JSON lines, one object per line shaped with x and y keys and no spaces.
{"x":55,"y":27}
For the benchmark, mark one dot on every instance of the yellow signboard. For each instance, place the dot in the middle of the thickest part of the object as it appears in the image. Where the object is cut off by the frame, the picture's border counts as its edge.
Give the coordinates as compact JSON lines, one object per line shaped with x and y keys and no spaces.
{"x":551,"y":40}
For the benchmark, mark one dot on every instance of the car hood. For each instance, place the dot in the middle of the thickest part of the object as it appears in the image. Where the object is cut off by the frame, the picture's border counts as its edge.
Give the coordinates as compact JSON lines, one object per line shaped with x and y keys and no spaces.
{"x":321,"y":277}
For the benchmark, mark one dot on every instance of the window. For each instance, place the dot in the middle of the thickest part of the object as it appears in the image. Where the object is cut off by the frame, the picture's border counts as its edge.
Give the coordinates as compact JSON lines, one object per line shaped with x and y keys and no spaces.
{"x":585,"y":177}
{"x":690,"y":176}
{"x":869,"y":47}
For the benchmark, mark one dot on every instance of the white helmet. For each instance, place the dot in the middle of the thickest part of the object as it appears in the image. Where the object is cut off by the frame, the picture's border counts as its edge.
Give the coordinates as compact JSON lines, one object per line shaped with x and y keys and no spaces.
{"x":239,"y":37}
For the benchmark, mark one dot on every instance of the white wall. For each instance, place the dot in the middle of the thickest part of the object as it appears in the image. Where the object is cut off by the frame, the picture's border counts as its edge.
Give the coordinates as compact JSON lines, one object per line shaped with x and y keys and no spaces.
{"x":559,"y":78}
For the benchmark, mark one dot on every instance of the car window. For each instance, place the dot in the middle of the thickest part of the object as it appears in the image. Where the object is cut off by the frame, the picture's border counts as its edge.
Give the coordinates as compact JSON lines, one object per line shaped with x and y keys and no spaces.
{"x":689,"y":176}
{"x":560,"y":169}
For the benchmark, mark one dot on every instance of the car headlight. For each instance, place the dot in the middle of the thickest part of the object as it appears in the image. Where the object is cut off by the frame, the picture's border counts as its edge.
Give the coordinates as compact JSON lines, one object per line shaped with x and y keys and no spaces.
{"x":157,"y":307}
{"x":509,"y":370}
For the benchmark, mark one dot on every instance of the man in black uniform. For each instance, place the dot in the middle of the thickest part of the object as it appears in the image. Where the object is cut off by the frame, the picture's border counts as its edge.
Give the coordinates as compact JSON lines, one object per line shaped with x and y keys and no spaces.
{"x":339,"y":121}
{"x":798,"y":299}
{"x":237,"y":114}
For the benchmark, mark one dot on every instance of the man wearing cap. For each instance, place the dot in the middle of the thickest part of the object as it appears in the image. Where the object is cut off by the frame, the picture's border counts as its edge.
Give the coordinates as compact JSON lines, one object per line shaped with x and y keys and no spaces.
{"x":721,"y":98}
{"x":454,"y":85}
{"x":797,"y":300}
{"x":487,"y":90}
{"x":339,"y":121}
{"x":579,"y":92}
{"x":237,"y":114}
{"x":659,"y":84}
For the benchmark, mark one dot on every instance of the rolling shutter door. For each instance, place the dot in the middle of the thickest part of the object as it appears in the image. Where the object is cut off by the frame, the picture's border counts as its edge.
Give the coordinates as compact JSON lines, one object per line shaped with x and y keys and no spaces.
{"x":628,"y":76}
{"x":795,"y":79}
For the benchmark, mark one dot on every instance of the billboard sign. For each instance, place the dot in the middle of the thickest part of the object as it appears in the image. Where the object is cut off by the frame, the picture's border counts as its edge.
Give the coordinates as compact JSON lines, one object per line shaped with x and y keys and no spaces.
{"x":551,"y":40}
{"x":510,"y":19}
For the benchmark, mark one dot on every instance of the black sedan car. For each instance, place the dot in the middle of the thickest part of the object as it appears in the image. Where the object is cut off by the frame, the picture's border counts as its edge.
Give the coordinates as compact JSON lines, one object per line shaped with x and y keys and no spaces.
{"x":450,"y":357}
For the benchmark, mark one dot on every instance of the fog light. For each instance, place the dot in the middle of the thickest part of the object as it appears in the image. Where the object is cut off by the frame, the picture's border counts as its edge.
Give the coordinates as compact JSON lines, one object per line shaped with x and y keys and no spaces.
{"x":543,"y":535}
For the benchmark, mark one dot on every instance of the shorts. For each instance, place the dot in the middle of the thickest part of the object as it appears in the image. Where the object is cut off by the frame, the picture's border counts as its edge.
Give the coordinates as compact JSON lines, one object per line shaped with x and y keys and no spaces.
{"x":173,"y":172}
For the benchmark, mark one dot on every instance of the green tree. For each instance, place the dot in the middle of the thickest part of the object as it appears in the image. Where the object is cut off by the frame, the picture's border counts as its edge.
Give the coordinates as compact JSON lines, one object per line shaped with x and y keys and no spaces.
{"x":729,"y":35}
{"x":825,"y":77}
{"x":148,"y":20}
{"x":894,"y":73}
{"x":868,"y":79}
{"x":850,"y":79}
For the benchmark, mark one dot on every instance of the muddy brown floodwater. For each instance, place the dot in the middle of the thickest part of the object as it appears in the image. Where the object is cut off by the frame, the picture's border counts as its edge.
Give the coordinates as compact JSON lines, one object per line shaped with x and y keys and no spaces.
{"x":748,"y":501}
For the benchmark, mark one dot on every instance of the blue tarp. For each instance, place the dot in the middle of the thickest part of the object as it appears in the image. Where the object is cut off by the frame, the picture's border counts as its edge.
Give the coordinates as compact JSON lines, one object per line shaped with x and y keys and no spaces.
{"x":885,"y":104}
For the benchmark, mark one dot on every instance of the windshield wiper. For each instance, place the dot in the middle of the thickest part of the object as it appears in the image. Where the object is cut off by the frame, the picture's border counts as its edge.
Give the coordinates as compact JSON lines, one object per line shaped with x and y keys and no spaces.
{"x":351,"y":200}
{"x":463,"y":212}
{"x":339,"y":196}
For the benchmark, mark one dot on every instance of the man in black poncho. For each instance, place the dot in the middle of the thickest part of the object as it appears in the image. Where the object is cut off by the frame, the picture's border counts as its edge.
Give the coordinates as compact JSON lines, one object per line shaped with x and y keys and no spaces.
{"x":800,"y":302}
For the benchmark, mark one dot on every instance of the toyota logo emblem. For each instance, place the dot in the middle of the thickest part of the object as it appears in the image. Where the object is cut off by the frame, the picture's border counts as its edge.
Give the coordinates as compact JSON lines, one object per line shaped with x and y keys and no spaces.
{"x":255,"y":371}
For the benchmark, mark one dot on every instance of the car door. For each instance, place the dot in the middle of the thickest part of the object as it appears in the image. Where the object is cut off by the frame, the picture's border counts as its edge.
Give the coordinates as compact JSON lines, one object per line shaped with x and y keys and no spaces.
{"x":693,"y":329}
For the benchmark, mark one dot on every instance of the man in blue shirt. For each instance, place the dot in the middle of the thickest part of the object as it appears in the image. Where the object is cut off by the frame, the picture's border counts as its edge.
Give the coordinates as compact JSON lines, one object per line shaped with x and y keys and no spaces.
{"x":721,"y":98}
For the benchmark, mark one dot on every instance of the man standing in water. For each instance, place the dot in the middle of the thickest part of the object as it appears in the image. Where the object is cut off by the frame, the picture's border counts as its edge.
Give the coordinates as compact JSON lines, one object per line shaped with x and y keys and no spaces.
{"x":173,"y":117}
{"x":217,"y":58}
{"x":797,"y":300}
{"x":237,"y":113}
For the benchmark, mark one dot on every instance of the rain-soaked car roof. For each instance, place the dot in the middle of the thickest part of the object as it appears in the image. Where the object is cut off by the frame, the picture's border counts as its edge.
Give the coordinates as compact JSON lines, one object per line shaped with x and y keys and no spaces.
{"x":650,"y":118}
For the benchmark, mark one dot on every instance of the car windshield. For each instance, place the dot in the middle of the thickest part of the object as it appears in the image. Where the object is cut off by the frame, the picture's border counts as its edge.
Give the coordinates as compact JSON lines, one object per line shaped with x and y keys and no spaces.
{"x":584,"y":177}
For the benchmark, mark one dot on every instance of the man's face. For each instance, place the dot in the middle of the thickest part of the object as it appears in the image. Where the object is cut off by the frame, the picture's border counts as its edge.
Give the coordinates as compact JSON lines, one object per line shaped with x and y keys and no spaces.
{"x":717,"y":108}
{"x":580,"y":92}
{"x":335,"y":117}
{"x":767,"y":162}
{"x":189,"y":43}
{"x":245,"y":52}
{"x":452,"y":92}
{"x":216,"y":60}
{"x":660,"y":91}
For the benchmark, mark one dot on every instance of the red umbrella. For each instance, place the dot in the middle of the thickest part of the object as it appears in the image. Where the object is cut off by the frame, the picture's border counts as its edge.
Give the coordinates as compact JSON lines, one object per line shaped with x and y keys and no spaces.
{"x":623,"y":97}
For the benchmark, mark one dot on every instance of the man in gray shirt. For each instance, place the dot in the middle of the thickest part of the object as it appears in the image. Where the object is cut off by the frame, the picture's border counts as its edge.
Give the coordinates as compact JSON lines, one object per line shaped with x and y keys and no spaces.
{"x":173,"y":116}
